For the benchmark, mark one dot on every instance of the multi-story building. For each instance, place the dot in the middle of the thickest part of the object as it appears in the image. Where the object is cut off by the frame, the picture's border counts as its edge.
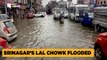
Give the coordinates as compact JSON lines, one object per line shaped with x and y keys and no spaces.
{"x":38,"y":5}
{"x":62,"y":4}
{"x":101,"y":2}
{"x":86,"y":2}
{"x":91,"y":3}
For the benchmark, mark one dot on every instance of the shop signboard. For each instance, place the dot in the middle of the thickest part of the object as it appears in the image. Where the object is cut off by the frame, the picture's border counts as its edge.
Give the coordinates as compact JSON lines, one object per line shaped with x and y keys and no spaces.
{"x":2,"y":3}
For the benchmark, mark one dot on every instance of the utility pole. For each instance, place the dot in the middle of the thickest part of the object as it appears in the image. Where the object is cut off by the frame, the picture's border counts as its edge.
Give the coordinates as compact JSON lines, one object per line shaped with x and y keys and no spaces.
{"x":5,"y":6}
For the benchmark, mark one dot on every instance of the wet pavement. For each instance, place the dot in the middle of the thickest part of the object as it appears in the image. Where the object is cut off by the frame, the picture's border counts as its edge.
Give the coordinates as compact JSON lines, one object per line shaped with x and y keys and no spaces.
{"x":48,"y":33}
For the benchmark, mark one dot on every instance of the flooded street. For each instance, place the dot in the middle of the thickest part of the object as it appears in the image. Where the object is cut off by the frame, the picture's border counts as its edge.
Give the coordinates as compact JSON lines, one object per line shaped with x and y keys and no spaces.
{"x":49,"y":33}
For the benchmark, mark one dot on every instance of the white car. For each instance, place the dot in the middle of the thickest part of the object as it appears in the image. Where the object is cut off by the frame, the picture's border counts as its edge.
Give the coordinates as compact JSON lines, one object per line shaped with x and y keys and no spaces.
{"x":39,"y":14}
{"x":8,"y":30}
{"x":6,"y":17}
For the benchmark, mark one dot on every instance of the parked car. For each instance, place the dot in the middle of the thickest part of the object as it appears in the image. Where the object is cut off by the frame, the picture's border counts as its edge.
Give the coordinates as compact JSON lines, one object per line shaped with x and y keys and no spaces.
{"x":8,"y":30}
{"x":6,"y":17}
{"x":4,"y":44}
{"x":101,"y":47}
{"x":57,"y":14}
{"x":65,"y":14}
{"x":39,"y":14}
{"x":100,"y":19}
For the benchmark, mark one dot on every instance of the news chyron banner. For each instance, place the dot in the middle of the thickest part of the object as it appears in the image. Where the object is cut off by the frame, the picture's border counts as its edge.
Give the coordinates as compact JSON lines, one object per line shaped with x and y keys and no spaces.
{"x":48,"y":52}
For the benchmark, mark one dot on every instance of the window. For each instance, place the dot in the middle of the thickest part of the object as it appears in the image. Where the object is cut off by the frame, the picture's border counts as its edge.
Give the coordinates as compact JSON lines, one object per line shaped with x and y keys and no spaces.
{"x":72,"y":9}
{"x":82,"y":9}
{"x":98,"y":3}
{"x":104,"y":2}
{"x":8,"y":23}
{"x":101,"y":2}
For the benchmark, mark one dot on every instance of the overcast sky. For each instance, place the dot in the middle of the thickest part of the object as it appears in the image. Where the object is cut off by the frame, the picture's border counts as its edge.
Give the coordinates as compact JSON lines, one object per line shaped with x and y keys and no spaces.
{"x":44,"y":2}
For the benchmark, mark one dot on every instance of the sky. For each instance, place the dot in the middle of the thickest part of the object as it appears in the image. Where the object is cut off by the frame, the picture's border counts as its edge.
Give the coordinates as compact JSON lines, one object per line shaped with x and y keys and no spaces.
{"x":44,"y":2}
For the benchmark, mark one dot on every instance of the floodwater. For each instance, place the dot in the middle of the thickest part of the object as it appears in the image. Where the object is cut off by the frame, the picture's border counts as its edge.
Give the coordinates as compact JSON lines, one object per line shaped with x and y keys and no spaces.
{"x":49,"y":33}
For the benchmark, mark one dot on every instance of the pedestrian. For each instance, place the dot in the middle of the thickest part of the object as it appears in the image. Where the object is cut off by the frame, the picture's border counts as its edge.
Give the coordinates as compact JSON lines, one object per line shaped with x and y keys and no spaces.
{"x":61,"y":18}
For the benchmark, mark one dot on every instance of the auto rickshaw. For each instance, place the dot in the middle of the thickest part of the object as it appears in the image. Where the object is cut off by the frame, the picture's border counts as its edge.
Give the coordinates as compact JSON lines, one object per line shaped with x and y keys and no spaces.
{"x":85,"y":20}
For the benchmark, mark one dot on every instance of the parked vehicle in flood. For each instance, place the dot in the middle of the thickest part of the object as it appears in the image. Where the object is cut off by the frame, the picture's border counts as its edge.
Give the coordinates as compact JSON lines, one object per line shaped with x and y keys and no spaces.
{"x":101,"y":47}
{"x":65,"y":14}
{"x":74,"y":11}
{"x":87,"y":18}
{"x":4,"y":44}
{"x":6,"y":17}
{"x":100,"y":19}
{"x":57,"y":13}
{"x":39,"y":14}
{"x":8,"y":30}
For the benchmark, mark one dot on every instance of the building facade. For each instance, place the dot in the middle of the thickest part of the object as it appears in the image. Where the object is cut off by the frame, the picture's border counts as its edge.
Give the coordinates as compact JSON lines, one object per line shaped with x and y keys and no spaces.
{"x":86,"y":2}
{"x":91,"y":3}
{"x":62,"y":4}
{"x":97,"y":3}
{"x":101,"y":3}
{"x":37,"y":5}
